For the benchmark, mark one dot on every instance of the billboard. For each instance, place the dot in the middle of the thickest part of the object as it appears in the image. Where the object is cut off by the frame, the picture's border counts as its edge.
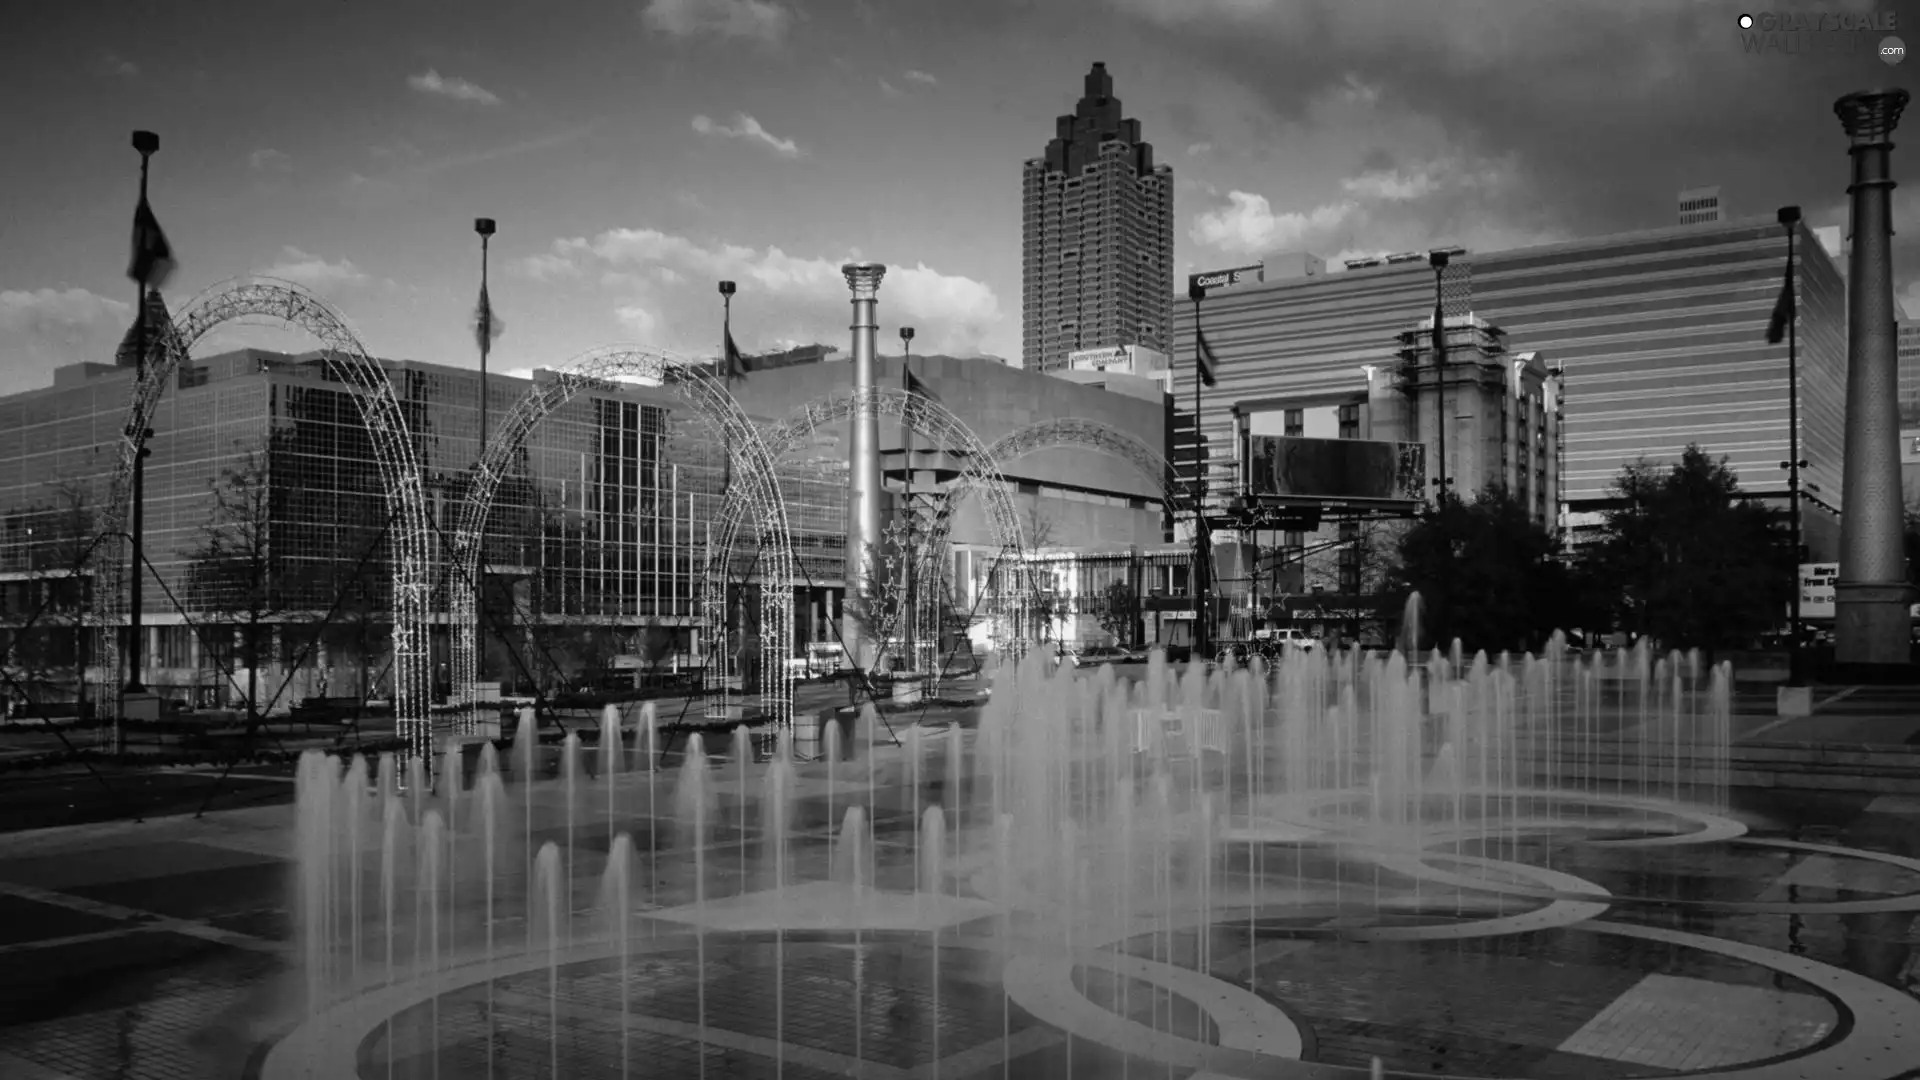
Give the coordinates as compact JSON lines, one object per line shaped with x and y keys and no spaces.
{"x":1098,"y":359}
{"x":1335,"y":468}
{"x":1816,"y":589}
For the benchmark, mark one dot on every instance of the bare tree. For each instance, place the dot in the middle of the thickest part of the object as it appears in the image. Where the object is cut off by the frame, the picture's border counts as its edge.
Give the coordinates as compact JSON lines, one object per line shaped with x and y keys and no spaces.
{"x":50,"y":538}
{"x":240,"y":576}
{"x":1354,"y":567}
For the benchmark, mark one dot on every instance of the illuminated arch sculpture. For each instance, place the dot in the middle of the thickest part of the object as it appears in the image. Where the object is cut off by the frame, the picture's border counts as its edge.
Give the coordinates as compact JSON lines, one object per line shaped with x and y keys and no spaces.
{"x":754,"y":483}
{"x":980,"y":474}
{"x":379,"y":408}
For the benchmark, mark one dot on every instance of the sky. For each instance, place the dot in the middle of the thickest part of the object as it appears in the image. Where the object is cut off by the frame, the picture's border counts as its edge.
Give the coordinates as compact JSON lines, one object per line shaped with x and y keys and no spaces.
{"x":634,"y":153}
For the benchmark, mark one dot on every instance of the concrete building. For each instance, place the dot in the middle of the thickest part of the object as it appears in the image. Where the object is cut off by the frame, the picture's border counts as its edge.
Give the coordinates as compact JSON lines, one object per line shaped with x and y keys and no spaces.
{"x":1702,"y":206}
{"x":1096,"y":236}
{"x":1660,"y":334}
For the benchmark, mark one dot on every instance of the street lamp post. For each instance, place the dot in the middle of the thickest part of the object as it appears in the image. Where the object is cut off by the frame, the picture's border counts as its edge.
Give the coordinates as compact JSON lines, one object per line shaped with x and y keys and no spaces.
{"x":1438,"y":260}
{"x":906,"y":433}
{"x":1789,"y":220}
{"x":146,"y":143}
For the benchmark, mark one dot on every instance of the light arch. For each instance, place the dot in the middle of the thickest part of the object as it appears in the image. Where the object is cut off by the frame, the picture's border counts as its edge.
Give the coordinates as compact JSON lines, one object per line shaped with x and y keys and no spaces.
{"x":980,"y":474}
{"x":385,"y":421}
{"x":754,"y":482}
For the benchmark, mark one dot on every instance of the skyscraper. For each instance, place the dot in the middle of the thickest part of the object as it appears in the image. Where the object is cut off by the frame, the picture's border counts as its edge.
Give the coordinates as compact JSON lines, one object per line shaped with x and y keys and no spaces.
{"x":1097,"y":229}
{"x":1702,"y":206}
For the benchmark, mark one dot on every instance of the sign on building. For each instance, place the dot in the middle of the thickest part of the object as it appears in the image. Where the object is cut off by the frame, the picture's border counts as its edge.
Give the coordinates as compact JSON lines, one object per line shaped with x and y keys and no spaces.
{"x":1816,"y":589}
{"x":1335,"y":468}
{"x":1099,"y":359}
{"x":1238,"y":275}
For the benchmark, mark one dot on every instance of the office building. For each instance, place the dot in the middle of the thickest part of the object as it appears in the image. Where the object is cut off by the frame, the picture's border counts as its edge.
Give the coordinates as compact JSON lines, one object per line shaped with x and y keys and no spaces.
{"x":1660,"y":334}
{"x":1096,"y":236}
{"x":1701,"y":206}
{"x":1907,"y":343}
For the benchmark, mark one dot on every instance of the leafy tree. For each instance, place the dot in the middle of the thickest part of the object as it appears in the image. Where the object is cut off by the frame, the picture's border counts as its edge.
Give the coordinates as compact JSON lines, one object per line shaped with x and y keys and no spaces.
{"x":1689,"y":560}
{"x":1485,"y":571}
{"x":1357,"y":571}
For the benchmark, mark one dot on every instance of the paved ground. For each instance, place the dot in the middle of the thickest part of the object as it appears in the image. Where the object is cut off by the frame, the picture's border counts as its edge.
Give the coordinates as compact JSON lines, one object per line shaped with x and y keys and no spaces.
{"x":165,"y":949}
{"x":162,"y":950}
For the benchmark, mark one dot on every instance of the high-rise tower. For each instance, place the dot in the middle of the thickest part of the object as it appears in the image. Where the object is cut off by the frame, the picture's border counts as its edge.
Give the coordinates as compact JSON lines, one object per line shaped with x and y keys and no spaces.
{"x":1097,"y":226}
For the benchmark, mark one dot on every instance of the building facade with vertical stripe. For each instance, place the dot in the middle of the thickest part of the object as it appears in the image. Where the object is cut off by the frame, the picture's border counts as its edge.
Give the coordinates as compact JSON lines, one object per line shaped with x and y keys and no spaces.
{"x":1660,"y":336}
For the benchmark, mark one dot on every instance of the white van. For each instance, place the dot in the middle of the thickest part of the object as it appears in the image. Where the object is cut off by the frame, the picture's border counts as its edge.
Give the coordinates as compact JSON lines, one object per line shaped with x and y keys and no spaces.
{"x":1286,"y":637}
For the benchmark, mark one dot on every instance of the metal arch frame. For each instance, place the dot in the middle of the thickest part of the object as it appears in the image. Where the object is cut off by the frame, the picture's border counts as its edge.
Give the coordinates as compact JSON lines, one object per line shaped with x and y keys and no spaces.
{"x":753,"y":474}
{"x":1072,"y":431}
{"x":981,"y":473}
{"x":385,"y":421}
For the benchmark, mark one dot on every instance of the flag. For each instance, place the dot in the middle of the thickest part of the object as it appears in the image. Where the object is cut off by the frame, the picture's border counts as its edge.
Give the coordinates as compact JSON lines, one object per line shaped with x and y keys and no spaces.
{"x":152,"y":260}
{"x":734,"y":364}
{"x":1203,"y":357}
{"x":1782,"y":312}
{"x":920,"y":390}
{"x":487,"y":326}
{"x":159,"y":327}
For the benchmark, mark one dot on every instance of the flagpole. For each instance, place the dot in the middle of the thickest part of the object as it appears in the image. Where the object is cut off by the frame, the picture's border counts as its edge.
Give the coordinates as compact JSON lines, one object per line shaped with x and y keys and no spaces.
{"x":1438,"y":260}
{"x":484,"y":328}
{"x":1796,"y":671}
{"x":906,"y":440}
{"x":147,"y":143}
{"x":727,"y":611}
{"x":485,"y":227}
{"x":1203,"y":587}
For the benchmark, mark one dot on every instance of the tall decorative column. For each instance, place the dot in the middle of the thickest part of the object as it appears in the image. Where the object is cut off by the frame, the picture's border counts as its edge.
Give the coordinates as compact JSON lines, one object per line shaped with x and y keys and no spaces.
{"x":1871,"y":623}
{"x":863,"y":453}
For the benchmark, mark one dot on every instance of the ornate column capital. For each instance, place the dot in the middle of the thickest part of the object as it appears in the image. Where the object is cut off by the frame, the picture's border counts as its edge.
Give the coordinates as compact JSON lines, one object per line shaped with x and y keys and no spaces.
{"x":864,"y":279}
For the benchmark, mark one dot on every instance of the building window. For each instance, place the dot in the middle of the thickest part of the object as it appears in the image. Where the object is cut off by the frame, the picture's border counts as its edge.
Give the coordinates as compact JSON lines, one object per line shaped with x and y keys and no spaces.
{"x":1350,"y":421}
{"x":1296,"y":421}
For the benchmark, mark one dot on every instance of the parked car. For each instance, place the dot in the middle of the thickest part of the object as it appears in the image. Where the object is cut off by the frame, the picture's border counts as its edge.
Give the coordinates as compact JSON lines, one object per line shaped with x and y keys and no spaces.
{"x":1095,"y":655}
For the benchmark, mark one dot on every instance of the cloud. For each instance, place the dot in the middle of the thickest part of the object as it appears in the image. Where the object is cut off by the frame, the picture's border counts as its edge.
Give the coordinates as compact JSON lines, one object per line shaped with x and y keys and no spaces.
{"x":783,"y":296}
{"x":547,"y":267}
{"x":1457,"y":198}
{"x":921,"y":77}
{"x":41,"y":329}
{"x":1247,"y":225}
{"x":267,"y":160}
{"x":637,"y":321}
{"x":758,"y":20}
{"x":116,"y":66}
{"x":746,"y":127}
{"x":1200,"y":149}
{"x":306,"y":268}
{"x":432,"y":82}
{"x":889,"y":89}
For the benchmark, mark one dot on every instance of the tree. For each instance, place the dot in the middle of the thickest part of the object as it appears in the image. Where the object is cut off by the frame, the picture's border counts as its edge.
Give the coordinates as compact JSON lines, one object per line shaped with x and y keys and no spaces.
{"x":1689,"y":560}
{"x":1358,"y":570}
{"x":239,"y":575}
{"x":875,"y":612}
{"x":51,"y":536}
{"x":1119,"y":612}
{"x":1486,"y":572}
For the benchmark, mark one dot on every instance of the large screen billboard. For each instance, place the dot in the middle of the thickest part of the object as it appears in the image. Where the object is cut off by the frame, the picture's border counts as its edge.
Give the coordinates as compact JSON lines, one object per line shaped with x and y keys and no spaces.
{"x":1335,"y":468}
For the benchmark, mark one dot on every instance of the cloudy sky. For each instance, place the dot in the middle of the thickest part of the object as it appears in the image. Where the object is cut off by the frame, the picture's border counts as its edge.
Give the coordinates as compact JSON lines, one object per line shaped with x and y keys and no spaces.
{"x":635,"y":152}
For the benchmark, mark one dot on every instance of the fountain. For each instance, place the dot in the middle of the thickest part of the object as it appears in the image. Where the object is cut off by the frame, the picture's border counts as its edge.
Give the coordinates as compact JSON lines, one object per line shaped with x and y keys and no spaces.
{"x":1116,"y":852}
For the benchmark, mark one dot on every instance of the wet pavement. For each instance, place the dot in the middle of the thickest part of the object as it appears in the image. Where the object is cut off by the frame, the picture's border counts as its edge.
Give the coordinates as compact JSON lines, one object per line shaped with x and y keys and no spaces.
{"x":164,"y":949}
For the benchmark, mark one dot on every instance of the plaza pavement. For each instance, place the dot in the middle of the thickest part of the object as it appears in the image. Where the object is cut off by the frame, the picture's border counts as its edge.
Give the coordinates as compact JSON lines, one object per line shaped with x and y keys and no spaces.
{"x":160,"y":949}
